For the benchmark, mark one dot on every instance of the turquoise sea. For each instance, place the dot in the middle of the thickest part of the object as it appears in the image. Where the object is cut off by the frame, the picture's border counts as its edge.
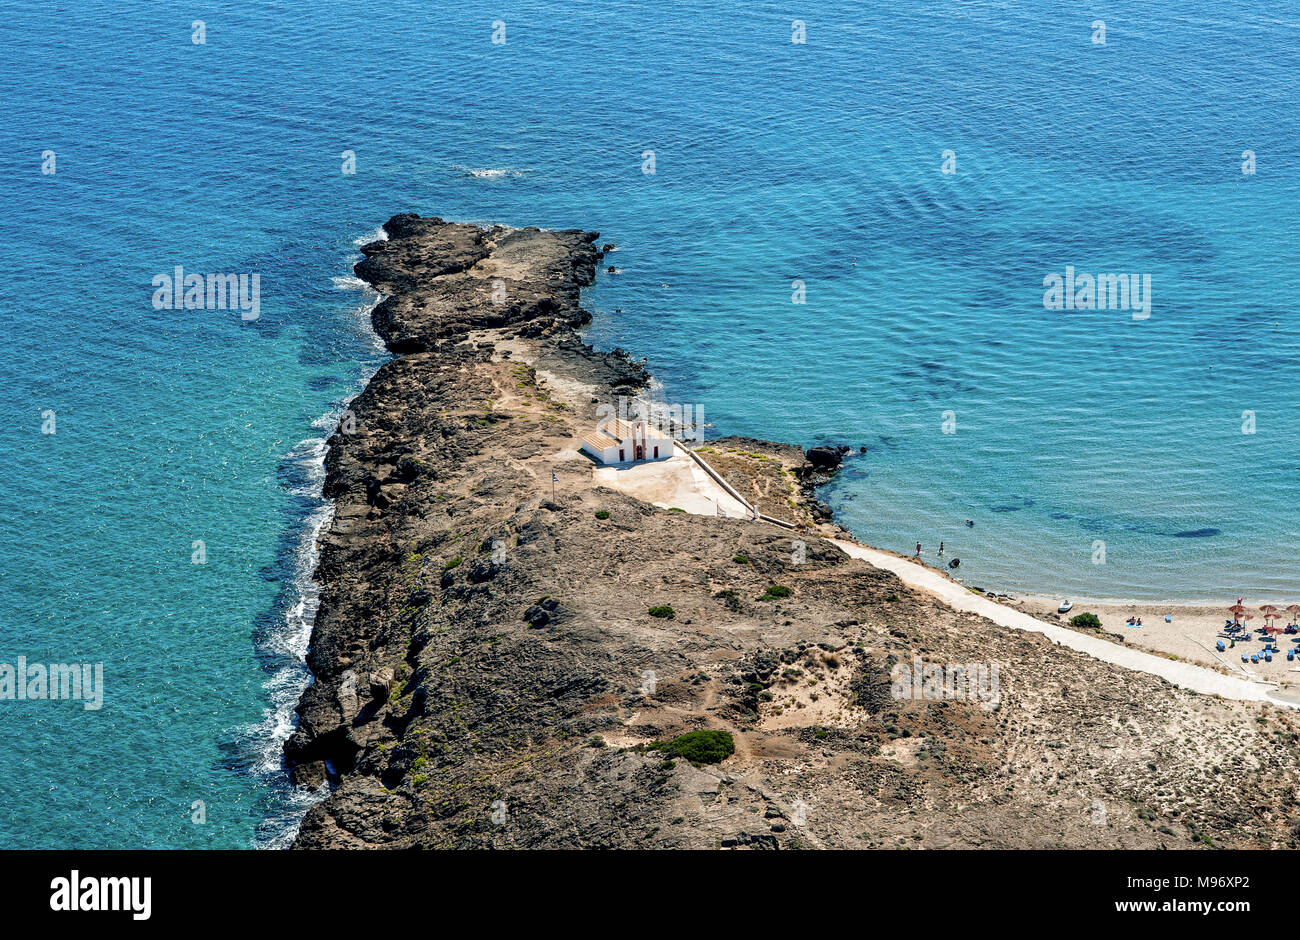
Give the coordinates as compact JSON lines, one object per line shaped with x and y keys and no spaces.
{"x":775,"y":162}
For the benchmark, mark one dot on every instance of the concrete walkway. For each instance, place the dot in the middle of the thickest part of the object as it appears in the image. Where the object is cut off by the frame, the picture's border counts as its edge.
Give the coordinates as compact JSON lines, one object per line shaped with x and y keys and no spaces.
{"x":673,"y":483}
{"x":1185,"y":675}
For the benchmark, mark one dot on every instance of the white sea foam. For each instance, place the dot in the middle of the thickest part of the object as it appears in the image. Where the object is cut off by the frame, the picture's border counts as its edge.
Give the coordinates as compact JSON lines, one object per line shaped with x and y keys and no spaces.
{"x":363,"y":314}
{"x":490,"y":173}
{"x":368,"y":326}
{"x":289,"y":644}
{"x":378,"y":235}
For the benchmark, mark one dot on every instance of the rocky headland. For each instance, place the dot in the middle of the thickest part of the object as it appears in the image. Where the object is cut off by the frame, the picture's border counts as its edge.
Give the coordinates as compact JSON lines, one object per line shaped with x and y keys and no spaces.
{"x":489,"y":672}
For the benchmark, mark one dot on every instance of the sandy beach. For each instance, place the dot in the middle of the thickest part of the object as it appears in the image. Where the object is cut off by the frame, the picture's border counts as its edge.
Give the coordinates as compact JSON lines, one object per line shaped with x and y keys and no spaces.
{"x":1190,"y":634}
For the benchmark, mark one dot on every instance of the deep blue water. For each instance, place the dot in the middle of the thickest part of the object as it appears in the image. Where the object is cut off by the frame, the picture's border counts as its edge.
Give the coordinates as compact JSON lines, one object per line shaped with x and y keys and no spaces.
{"x":775,"y":161}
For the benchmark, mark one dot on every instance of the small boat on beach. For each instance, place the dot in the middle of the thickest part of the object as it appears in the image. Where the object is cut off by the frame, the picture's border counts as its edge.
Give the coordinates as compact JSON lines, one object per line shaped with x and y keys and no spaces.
{"x":1066,"y":607}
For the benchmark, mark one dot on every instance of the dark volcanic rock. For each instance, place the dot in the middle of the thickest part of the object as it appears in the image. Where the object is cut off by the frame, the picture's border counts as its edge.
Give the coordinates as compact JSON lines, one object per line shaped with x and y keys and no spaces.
{"x":825,"y":458}
{"x":436,"y":291}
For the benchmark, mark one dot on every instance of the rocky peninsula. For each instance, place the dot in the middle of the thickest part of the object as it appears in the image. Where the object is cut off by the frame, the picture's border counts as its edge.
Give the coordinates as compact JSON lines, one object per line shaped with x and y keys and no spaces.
{"x":500,"y":655}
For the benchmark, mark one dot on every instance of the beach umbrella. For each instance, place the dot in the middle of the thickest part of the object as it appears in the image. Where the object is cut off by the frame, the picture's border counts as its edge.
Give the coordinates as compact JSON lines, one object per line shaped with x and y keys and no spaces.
{"x":1268,"y":608}
{"x":1237,"y":609}
{"x":1293,"y":610}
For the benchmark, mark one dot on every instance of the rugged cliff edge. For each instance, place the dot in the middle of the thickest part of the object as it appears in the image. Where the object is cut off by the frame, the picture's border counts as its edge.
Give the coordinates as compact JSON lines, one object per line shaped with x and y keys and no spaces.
{"x":487,"y":670}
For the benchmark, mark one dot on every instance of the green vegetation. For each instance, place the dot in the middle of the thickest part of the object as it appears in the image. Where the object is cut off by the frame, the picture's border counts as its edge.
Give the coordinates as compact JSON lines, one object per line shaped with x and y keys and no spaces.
{"x":664,"y":611}
{"x":774,"y":592}
{"x":741,"y":559}
{"x":698,"y":747}
{"x":602,"y":513}
{"x":892,"y":598}
{"x":1090,"y":621}
{"x":452,"y":564}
